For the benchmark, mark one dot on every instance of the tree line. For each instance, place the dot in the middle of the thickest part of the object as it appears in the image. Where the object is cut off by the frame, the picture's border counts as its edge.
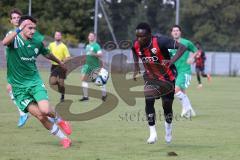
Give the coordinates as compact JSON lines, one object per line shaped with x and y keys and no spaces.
{"x":214,"y":23}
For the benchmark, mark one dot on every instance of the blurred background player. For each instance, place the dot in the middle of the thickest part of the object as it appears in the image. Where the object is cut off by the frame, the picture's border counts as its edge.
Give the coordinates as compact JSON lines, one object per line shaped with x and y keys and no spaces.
{"x":22,"y":74}
{"x":183,"y":65}
{"x":59,"y":50}
{"x":159,"y":71}
{"x":15,"y":15}
{"x":200,"y":59}
{"x":93,"y":63}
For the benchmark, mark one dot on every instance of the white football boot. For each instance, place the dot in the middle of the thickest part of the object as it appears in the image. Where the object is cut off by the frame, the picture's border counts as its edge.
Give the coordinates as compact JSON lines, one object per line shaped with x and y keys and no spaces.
{"x":185,"y":112}
{"x":193,"y":113}
{"x":188,"y":113}
{"x":168,"y":132}
{"x":153,"y":135}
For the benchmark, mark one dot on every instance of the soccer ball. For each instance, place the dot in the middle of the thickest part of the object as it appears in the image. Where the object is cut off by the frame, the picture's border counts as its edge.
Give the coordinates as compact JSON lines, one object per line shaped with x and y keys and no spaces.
{"x":102,"y":77}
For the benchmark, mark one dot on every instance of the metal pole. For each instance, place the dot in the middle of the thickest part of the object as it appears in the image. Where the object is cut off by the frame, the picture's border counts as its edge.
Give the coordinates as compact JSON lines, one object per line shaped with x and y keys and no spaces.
{"x":108,"y":23}
{"x":30,"y":8}
{"x":177,"y":11}
{"x":96,"y":17}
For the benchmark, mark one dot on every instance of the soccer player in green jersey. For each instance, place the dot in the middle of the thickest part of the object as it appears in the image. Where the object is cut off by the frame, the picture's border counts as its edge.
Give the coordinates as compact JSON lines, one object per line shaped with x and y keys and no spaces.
{"x":183,"y":65}
{"x":28,"y":89}
{"x":93,"y":63}
{"x":15,"y":15}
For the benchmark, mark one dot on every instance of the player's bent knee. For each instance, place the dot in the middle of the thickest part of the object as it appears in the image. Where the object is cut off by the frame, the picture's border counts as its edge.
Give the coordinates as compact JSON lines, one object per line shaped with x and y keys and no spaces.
{"x":44,"y":107}
{"x":52,"y":82}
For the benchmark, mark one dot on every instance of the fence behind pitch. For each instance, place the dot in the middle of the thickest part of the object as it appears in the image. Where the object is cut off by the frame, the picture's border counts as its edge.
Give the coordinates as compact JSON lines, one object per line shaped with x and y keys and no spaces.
{"x":218,"y":63}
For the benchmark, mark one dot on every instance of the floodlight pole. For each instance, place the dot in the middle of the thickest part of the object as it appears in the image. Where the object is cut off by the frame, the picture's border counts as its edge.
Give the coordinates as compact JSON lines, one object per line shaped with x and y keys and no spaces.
{"x":96,"y":17}
{"x":30,"y":8}
{"x":177,"y":11}
{"x":108,"y":23}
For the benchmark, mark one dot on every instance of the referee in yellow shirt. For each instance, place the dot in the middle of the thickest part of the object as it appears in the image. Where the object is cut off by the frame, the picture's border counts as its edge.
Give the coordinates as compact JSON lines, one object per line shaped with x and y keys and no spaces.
{"x":60,"y":50}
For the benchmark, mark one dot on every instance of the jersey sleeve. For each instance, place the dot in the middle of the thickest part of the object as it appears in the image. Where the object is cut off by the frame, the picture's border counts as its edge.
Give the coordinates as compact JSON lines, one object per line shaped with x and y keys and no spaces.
{"x":135,"y":56}
{"x":166,"y":43}
{"x":136,"y":60}
{"x":50,"y":47}
{"x":97,"y":49}
{"x":191,"y":47}
{"x":11,"y":44}
{"x":38,"y":36}
{"x":66,"y":52}
{"x":44,"y":50}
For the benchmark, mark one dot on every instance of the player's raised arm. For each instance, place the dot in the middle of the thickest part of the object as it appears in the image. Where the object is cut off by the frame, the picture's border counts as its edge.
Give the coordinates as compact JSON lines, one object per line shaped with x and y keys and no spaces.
{"x":10,"y":37}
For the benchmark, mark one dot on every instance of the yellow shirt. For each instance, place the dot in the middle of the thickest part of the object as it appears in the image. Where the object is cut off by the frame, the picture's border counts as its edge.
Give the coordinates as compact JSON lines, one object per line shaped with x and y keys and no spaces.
{"x":60,"y":51}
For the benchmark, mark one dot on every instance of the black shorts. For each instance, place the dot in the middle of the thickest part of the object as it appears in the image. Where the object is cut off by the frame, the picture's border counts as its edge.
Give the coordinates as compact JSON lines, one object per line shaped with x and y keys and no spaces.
{"x":155,"y":88}
{"x":199,"y":69}
{"x":57,"y":71}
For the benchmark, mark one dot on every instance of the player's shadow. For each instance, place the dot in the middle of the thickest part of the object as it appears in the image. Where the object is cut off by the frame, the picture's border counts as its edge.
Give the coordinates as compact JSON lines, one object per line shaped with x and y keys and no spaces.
{"x":75,"y":144}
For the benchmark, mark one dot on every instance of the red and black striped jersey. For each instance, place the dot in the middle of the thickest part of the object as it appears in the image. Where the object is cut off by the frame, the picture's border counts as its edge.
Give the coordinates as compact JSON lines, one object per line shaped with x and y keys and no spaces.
{"x":200,"y":59}
{"x":153,"y":55}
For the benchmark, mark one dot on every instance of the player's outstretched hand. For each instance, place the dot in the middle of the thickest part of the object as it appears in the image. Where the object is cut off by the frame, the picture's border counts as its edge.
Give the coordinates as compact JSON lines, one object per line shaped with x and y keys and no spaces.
{"x":24,"y":24}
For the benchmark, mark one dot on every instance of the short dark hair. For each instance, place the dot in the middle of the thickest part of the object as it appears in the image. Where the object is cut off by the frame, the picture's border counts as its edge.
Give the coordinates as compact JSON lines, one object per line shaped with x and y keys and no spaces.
{"x":176,"y":26}
{"x":197,"y":43}
{"x":25,"y":17}
{"x":15,"y":10}
{"x":144,"y":26}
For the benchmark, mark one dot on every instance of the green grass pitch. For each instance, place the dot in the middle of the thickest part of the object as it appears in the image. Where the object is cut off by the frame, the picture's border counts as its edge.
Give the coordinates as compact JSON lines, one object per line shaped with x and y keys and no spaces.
{"x":122,"y":133}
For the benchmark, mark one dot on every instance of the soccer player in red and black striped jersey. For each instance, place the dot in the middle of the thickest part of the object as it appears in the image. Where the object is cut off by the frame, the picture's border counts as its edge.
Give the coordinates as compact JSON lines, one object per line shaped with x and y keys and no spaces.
{"x":200,"y":59}
{"x":159,"y":75}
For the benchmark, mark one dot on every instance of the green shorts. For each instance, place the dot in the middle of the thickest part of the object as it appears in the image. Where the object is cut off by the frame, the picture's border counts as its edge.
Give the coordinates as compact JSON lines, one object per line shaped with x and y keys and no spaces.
{"x":24,"y":96}
{"x":183,"y":80}
{"x":87,"y":69}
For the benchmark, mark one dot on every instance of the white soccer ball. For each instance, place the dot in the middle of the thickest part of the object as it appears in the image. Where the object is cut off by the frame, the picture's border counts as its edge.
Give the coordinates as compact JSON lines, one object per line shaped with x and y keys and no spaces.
{"x":102,"y":77}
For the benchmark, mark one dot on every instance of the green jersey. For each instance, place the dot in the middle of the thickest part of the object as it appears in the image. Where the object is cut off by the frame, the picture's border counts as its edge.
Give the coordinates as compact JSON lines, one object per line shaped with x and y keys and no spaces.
{"x":181,"y":64}
{"x":21,"y":57}
{"x":93,"y":48}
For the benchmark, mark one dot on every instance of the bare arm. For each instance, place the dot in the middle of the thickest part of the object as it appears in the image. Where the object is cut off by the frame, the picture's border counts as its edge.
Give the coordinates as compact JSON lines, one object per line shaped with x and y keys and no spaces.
{"x":193,"y":56}
{"x":10,"y":37}
{"x":50,"y":56}
{"x":67,"y":59}
{"x":136,"y":65}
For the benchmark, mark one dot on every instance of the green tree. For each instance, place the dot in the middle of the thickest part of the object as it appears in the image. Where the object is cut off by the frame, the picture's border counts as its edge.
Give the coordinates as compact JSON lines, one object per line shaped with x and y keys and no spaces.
{"x":71,"y":17}
{"x":214,"y":23}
